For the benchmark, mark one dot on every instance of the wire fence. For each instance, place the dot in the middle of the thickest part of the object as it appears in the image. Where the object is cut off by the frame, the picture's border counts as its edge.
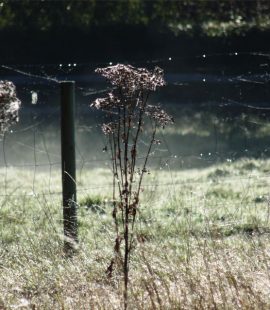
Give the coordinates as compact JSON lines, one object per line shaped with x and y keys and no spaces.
{"x":220,"y":103}
{"x":204,"y":211}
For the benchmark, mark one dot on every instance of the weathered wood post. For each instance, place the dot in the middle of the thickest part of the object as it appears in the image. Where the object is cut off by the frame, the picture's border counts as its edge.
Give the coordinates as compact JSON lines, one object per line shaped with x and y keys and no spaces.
{"x":68,"y":166}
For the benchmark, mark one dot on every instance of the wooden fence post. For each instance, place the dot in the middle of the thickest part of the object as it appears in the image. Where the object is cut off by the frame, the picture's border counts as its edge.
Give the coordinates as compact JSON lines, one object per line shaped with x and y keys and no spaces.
{"x":68,"y":166}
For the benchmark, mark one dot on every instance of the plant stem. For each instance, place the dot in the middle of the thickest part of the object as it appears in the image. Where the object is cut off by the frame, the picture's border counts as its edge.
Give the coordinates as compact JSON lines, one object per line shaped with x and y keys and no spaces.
{"x":126,"y":260}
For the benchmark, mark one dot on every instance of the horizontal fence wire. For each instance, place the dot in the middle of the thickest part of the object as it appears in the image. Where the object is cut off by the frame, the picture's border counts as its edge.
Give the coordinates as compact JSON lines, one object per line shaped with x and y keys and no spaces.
{"x":154,"y":185}
{"x":205,"y":191}
{"x":36,"y":140}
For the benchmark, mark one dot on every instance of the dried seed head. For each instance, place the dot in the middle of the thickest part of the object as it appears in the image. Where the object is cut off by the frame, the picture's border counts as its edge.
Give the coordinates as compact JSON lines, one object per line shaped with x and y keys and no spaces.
{"x":128,"y":99}
{"x":111,"y":101}
{"x":161,"y":117}
{"x":9,"y":105}
{"x":151,"y":80}
{"x":108,"y":128}
{"x":131,"y":79}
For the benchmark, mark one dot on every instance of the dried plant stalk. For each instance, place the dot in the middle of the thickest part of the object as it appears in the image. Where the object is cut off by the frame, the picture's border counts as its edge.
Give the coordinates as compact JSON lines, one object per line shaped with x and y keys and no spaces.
{"x":126,"y":109}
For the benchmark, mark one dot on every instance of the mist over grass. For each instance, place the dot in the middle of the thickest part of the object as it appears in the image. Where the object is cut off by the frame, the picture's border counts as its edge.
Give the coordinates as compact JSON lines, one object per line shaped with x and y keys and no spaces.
{"x":203,"y":240}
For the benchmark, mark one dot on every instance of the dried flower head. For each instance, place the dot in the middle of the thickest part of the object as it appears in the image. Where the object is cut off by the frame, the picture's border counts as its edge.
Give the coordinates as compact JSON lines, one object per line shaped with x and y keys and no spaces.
{"x":9,"y":105}
{"x":151,"y":80}
{"x":108,"y":128}
{"x":161,"y":117}
{"x":111,"y":101}
{"x":131,"y":79}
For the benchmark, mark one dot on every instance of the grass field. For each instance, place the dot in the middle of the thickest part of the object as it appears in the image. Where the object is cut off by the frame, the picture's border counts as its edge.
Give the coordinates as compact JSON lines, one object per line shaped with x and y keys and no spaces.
{"x":202,"y":241}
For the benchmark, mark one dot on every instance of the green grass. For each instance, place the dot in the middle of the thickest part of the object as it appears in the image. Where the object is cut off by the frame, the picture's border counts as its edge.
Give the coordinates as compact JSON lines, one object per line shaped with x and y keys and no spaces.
{"x":202,"y":241}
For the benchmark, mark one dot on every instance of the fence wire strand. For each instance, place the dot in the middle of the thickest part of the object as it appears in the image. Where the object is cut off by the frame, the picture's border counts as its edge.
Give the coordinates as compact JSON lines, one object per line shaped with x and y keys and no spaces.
{"x":210,"y":136}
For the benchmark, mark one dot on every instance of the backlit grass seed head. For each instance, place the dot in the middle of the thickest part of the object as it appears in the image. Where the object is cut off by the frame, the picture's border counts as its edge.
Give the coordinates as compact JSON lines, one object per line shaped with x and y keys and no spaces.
{"x":9,"y":105}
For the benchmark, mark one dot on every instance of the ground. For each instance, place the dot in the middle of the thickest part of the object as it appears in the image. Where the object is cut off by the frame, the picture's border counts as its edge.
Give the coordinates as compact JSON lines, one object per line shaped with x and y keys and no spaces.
{"x":202,"y":241}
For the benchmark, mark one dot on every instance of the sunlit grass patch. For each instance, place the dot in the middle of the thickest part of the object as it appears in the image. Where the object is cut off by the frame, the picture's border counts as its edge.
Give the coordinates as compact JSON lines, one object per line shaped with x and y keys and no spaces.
{"x":202,"y":240}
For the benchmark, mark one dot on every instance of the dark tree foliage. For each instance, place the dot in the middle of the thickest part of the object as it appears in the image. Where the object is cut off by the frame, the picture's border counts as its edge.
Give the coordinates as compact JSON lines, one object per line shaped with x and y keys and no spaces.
{"x":97,"y":30}
{"x":215,"y":18}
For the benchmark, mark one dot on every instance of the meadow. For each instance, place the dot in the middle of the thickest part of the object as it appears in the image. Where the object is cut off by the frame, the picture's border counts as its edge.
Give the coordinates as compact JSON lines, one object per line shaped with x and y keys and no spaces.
{"x":202,"y":240}
{"x":202,"y":231}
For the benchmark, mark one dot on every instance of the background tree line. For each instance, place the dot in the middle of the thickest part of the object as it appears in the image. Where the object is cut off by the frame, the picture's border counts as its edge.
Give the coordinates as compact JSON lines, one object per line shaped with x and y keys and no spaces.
{"x":127,"y":27}
{"x":213,"y":18}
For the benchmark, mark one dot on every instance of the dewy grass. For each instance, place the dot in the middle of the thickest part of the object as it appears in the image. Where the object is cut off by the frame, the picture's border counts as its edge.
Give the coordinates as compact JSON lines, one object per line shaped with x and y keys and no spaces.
{"x":203,"y":244}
